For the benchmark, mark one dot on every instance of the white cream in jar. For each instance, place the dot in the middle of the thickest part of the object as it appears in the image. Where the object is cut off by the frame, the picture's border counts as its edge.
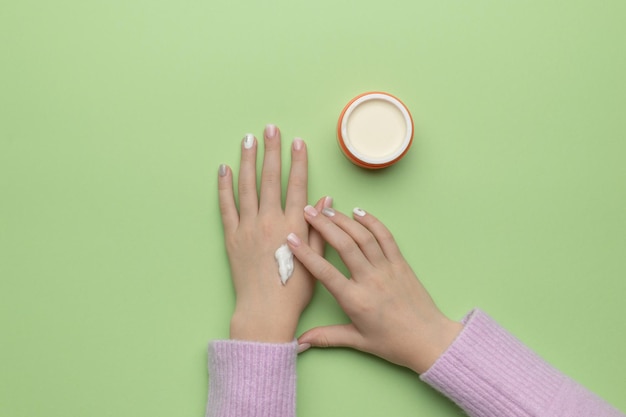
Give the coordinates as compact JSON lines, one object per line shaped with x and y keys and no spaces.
{"x":375,"y":130}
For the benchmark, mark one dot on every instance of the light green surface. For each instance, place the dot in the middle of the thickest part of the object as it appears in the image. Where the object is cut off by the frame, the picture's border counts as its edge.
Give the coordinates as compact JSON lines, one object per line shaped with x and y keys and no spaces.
{"x":114,"y":116}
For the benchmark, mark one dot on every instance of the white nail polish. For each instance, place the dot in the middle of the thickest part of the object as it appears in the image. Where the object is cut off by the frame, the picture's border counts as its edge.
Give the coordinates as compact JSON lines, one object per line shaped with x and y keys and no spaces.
{"x":248,"y":141}
{"x":328,"y":212}
{"x":310,"y":210}
{"x":271,"y":131}
{"x":222,"y":170}
{"x":294,"y":239}
{"x":357,"y":211}
{"x":328,"y":202}
{"x":302,"y":347}
{"x":298,"y":144}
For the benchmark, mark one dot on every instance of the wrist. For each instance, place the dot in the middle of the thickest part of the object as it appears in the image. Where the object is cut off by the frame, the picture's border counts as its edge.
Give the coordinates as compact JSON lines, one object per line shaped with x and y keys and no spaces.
{"x":262,"y":328}
{"x":442,"y":337}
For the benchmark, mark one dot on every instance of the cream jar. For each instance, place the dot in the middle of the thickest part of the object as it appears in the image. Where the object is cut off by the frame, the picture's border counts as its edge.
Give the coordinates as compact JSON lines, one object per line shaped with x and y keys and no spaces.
{"x":375,"y":130}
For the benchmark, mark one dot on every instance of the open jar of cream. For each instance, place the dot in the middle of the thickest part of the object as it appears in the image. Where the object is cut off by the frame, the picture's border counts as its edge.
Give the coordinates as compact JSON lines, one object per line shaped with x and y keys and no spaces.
{"x":375,"y":130}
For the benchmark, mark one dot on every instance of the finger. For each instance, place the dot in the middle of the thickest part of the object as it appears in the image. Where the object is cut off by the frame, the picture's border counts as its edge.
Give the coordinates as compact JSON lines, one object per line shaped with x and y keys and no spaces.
{"x":297,"y":186}
{"x":230,"y":217}
{"x":320,"y":268}
{"x":347,"y":248}
{"x":270,"y":177}
{"x":381,"y":233}
{"x":338,"y":335}
{"x":316,"y":241}
{"x":362,"y":236}
{"x":248,"y":199}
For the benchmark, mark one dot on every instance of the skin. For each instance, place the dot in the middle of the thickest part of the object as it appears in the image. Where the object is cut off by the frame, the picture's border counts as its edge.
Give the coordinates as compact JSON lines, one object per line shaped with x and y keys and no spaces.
{"x":392,"y":315}
{"x":266,"y":310}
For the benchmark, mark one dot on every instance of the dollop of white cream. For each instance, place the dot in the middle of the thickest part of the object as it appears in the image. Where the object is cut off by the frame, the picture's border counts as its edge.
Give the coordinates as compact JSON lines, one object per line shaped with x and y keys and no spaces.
{"x":284,"y":259}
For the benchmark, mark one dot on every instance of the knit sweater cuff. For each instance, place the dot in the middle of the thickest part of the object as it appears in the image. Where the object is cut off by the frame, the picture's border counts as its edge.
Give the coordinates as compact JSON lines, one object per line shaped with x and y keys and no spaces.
{"x":488,"y":372}
{"x":249,"y":378}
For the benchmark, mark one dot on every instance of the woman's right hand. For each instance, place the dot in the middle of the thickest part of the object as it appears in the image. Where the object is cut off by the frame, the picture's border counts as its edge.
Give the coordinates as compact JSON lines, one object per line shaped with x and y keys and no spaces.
{"x":392,"y":315}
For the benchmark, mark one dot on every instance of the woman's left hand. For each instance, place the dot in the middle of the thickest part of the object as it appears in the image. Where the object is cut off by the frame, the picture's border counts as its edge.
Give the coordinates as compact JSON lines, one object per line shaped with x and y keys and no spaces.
{"x":265,"y":309}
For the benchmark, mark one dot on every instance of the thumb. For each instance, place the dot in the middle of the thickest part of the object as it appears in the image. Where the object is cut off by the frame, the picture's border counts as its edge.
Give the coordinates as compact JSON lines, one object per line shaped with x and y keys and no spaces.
{"x":338,"y":335}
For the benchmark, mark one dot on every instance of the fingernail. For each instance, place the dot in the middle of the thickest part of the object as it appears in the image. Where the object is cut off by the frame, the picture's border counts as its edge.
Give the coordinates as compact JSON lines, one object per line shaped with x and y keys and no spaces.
{"x":222,"y":170}
{"x":328,"y":202}
{"x":303,"y":347}
{"x":248,"y":141}
{"x":328,"y":212}
{"x":310,"y":210}
{"x":271,"y":131}
{"x":358,"y":212}
{"x":298,"y":144}
{"x":293,"y":239}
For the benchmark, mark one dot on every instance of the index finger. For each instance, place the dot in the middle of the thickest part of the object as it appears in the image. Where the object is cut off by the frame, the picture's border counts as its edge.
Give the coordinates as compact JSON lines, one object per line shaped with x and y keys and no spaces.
{"x":320,"y":268}
{"x":348,"y":250}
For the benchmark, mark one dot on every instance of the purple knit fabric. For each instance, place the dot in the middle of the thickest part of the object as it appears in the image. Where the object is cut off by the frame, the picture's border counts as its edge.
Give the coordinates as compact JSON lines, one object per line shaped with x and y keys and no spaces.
{"x":490,"y":373}
{"x":486,"y":371}
{"x":252,"y":379}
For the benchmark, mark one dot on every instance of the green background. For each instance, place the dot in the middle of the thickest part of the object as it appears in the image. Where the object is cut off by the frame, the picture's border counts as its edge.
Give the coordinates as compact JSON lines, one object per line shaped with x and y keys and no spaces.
{"x":114,"y":116}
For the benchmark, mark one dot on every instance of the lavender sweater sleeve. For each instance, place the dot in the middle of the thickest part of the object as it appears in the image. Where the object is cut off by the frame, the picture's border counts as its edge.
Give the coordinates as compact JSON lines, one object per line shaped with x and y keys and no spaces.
{"x":489,"y":373}
{"x":486,"y":371}
{"x":252,"y":379}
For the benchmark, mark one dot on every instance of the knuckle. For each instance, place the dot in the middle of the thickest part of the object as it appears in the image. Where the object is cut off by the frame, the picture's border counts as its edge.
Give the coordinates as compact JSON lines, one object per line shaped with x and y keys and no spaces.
{"x":324,"y":270}
{"x":324,"y":342}
{"x":297,"y":181}
{"x":232,"y":244}
{"x":385,"y":234}
{"x":345,"y":246}
{"x":382,"y":234}
{"x":271,"y":178}
{"x":225,"y":208}
{"x":272,"y":146}
{"x":387,"y":239}
{"x":320,"y":337}
{"x":366,"y":239}
{"x":247,"y":188}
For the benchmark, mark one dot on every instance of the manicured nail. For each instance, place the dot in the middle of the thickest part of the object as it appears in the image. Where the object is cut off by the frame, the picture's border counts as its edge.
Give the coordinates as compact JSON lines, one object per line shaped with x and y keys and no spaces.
{"x":303,"y":347}
{"x":298,"y":144}
{"x":328,"y":202}
{"x":248,"y":141}
{"x":271,"y":131}
{"x":293,"y":239}
{"x":222,"y":170}
{"x":310,"y":210}
{"x":358,"y":212}
{"x":328,"y":212}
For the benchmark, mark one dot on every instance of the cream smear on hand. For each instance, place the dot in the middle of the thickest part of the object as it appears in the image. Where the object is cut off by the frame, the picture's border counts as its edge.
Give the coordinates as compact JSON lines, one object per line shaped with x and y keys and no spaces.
{"x":284,"y":259}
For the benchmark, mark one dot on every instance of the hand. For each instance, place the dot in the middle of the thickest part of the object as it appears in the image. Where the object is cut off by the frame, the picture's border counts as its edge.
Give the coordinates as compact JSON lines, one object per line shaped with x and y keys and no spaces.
{"x":265,"y":309}
{"x":392,"y":314}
